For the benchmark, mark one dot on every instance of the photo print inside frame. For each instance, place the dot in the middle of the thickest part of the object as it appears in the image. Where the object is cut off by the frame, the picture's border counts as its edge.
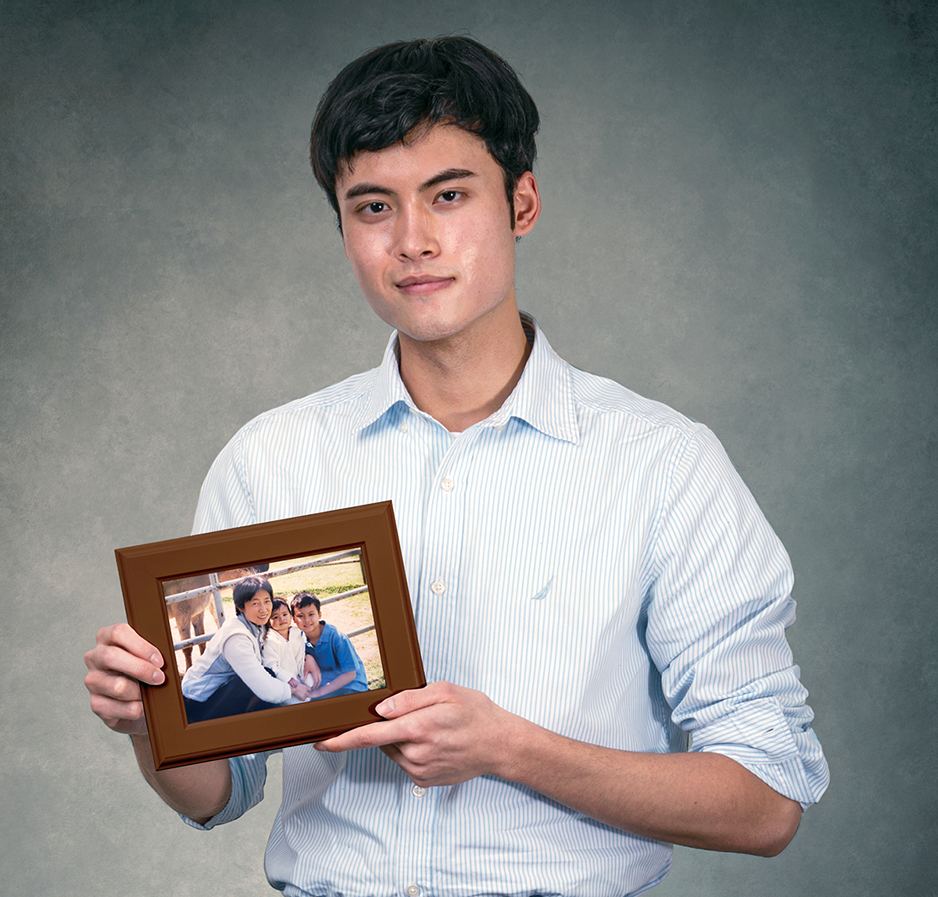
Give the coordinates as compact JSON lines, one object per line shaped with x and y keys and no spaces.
{"x":313,"y":611}
{"x":181,"y":595}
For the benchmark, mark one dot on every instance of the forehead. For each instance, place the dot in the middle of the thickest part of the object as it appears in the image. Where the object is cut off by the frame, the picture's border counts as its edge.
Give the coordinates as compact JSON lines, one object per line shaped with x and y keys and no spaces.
{"x":422,"y":154}
{"x":259,"y":595}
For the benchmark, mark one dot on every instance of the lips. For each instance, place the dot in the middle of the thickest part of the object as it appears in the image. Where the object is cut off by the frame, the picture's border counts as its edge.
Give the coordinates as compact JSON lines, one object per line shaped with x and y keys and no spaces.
{"x":418,"y":284}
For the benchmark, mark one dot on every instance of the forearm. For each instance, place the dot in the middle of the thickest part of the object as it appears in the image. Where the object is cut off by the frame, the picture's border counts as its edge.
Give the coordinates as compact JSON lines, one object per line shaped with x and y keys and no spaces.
{"x":239,"y":652}
{"x":703,"y":800}
{"x":444,"y":734}
{"x":340,"y":681}
{"x":199,"y":791}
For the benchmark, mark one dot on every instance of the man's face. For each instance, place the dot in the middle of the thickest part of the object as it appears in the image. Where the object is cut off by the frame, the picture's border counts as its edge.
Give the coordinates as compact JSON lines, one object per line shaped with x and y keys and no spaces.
{"x":427,"y":227}
{"x":307,"y":618}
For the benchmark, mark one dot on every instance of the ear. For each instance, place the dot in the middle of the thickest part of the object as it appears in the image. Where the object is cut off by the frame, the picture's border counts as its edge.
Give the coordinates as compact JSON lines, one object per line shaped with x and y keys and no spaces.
{"x":527,"y":204}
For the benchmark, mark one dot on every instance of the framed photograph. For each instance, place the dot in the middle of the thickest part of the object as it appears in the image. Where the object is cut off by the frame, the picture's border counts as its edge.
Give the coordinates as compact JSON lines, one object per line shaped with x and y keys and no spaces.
{"x":237,"y":615}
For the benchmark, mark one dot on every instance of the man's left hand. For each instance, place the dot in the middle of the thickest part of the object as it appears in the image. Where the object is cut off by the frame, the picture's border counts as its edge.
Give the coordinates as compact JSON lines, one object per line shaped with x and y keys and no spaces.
{"x":439,"y":735}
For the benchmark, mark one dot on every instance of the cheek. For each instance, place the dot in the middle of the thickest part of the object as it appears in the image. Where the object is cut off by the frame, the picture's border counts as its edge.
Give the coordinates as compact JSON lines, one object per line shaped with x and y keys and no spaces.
{"x":365,"y":256}
{"x":488,"y":255}
{"x":470,"y":261}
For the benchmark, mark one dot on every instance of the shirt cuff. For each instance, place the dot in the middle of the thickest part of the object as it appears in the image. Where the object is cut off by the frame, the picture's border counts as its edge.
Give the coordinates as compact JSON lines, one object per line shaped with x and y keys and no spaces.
{"x":785,"y":755}
{"x":248,"y":775}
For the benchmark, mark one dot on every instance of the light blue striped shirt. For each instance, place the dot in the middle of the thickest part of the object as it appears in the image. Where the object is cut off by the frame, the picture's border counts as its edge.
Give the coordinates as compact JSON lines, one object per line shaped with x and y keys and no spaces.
{"x":587,"y":558}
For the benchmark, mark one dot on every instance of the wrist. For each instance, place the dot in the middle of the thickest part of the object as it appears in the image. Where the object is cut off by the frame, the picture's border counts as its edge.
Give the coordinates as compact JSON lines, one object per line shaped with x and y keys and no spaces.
{"x":510,"y":754}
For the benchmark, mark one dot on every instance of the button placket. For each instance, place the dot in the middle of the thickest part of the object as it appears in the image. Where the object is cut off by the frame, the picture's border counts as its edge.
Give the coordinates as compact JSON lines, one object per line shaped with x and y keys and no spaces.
{"x":446,"y":502}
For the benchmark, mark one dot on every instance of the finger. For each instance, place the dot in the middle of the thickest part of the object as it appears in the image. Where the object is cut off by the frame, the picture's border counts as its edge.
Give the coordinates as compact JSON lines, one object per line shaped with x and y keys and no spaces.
{"x":123,"y":636}
{"x":372,"y":735}
{"x":393,"y":752}
{"x":112,"y":709}
{"x":421,"y":774}
{"x":416,"y":699}
{"x":111,"y":659}
{"x":111,"y":685}
{"x":119,"y":715}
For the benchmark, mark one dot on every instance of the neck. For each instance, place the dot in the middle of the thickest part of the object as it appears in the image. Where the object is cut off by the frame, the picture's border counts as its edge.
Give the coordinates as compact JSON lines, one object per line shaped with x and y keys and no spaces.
{"x":462,"y":380}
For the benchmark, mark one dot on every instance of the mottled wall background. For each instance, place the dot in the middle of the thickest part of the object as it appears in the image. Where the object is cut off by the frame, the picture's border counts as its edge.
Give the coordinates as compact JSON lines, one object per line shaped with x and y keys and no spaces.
{"x":740,"y":219}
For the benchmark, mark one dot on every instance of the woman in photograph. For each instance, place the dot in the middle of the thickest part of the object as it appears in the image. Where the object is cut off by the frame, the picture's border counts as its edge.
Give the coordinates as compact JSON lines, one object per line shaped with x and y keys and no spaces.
{"x":230,"y":677}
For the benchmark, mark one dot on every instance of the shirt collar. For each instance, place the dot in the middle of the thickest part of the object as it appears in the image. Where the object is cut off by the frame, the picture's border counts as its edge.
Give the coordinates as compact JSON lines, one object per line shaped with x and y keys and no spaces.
{"x":543,"y":397}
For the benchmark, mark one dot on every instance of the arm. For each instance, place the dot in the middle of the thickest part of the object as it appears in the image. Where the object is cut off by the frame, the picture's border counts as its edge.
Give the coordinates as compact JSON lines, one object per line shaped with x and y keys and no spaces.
{"x":445,"y":734}
{"x":119,"y":662}
{"x":311,"y":668}
{"x":341,"y":680}
{"x":240,"y":651}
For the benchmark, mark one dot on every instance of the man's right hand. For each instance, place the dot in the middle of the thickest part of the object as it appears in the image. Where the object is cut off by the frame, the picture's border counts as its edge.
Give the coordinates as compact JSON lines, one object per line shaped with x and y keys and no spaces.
{"x":118,"y":663}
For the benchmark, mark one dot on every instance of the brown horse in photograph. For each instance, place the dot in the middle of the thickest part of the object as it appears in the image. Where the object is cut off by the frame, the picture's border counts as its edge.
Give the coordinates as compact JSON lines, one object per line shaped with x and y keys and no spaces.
{"x":189,"y":613}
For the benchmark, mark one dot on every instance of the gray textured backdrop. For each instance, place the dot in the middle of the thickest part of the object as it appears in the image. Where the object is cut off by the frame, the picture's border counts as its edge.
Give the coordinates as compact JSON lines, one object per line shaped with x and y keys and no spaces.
{"x":740,"y":218}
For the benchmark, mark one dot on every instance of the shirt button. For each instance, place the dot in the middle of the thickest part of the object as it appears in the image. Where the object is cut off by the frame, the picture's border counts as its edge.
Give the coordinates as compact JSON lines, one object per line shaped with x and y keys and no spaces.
{"x":437,"y":587}
{"x":417,"y":791}
{"x":412,"y":890}
{"x":404,"y":426}
{"x":446,"y":484}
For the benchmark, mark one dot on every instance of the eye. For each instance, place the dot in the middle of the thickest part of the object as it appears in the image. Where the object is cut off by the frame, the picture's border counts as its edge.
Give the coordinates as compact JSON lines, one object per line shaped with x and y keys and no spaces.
{"x":376,"y":207}
{"x":450,"y":195}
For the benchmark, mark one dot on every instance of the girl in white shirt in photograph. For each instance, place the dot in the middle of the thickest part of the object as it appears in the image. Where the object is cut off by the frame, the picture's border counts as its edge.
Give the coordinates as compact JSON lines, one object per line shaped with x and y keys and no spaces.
{"x":284,"y":652}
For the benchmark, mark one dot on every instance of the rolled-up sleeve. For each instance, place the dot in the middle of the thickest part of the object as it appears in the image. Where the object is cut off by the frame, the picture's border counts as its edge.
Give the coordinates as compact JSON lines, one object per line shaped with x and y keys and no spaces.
{"x":717,"y":615}
{"x":248,"y":776}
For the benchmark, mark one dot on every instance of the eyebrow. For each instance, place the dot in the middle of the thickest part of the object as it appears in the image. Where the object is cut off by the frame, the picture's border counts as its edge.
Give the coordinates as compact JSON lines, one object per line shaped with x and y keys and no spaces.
{"x":449,"y":174}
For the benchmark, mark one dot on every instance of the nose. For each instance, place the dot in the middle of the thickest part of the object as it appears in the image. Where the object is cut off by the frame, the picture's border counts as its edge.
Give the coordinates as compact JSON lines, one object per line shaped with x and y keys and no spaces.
{"x":416,"y":234}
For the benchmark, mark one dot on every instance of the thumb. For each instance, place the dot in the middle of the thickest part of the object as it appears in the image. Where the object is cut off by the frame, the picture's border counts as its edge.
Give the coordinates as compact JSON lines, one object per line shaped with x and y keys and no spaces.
{"x":414,"y":699}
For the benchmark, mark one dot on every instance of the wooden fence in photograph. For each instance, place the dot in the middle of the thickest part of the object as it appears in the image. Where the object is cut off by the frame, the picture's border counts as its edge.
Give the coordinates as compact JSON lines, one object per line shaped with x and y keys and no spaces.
{"x":215,"y":587}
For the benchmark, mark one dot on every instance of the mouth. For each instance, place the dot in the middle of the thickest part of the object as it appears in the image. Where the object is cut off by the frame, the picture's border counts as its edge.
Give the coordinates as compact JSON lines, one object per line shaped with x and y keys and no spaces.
{"x":420,"y":284}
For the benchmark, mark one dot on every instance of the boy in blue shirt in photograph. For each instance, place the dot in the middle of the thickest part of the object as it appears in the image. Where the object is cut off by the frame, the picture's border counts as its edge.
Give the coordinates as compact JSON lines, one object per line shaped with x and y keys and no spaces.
{"x":343,"y":672}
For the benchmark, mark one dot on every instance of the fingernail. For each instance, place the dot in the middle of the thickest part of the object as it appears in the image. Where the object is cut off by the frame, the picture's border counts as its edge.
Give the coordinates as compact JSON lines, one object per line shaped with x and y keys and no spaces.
{"x":156,"y":660}
{"x":158,"y":677}
{"x":385,"y":707}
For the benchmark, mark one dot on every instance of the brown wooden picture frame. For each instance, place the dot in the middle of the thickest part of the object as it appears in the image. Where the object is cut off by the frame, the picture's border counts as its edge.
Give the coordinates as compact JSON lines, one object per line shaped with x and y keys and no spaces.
{"x":144,"y":568}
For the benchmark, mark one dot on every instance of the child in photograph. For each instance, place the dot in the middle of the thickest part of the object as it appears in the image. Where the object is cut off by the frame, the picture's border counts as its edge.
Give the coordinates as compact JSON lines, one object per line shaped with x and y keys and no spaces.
{"x":328,"y":651}
{"x":230,"y":677}
{"x":284,"y":651}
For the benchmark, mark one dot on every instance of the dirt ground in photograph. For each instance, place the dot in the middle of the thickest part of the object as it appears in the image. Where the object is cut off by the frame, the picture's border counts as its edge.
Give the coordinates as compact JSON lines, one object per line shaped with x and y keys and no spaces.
{"x":347,"y":614}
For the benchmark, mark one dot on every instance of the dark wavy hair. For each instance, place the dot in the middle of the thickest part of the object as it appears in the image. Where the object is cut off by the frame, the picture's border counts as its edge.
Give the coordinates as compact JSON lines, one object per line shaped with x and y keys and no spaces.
{"x":378,"y":99}
{"x":245,"y":590}
{"x":304,"y":599}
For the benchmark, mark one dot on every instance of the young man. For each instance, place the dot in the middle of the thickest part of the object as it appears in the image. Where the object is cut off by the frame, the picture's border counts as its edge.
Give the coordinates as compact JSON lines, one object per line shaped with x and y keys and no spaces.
{"x":331,"y":657}
{"x":591,"y":580}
